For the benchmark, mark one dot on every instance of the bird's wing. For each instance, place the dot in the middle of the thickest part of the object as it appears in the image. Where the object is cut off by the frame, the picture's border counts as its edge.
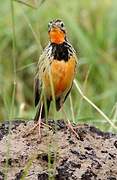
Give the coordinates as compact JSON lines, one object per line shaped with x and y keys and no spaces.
{"x":38,"y":80}
{"x":43,"y":64}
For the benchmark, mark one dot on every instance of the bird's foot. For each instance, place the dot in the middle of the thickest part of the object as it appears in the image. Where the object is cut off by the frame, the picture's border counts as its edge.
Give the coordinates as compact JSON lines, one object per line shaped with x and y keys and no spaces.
{"x":70,"y":126}
{"x":39,"y":125}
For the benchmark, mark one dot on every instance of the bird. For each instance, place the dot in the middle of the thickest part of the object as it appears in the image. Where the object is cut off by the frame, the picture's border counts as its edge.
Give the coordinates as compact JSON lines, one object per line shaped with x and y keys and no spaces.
{"x":56,"y":70}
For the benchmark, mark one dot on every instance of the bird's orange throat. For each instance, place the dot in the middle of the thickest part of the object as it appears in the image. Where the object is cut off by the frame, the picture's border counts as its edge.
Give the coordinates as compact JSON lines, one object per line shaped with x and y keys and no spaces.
{"x":57,"y":36}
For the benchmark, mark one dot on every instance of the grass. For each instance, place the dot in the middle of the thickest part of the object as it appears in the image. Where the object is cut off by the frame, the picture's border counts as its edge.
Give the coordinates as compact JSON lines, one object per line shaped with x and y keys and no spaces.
{"x":91,"y":27}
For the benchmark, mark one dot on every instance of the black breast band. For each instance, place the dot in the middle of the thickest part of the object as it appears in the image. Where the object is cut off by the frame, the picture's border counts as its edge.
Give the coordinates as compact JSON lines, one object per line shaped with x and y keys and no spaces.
{"x":60,"y":51}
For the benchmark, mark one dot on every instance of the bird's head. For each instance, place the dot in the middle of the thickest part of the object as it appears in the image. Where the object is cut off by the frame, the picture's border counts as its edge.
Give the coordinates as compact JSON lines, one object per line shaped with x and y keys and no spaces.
{"x":56,"y":31}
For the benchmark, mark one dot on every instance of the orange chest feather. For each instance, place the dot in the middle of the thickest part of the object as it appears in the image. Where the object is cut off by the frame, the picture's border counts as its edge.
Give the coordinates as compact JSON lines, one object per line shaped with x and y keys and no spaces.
{"x":61,"y":75}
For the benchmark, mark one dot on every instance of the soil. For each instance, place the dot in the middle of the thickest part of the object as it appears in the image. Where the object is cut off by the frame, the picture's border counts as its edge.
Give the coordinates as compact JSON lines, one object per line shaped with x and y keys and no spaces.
{"x":60,"y":155}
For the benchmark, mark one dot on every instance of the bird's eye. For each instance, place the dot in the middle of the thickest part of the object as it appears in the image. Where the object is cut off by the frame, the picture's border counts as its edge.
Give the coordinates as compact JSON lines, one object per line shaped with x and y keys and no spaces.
{"x":62,"y":25}
{"x":49,"y":24}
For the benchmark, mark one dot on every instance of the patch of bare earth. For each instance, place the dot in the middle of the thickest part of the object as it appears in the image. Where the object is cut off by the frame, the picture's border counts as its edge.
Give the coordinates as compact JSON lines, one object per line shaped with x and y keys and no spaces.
{"x":59,"y":155}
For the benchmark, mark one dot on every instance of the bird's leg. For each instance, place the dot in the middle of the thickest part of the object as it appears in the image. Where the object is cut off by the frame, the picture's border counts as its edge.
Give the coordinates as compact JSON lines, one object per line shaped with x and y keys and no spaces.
{"x":38,"y":124}
{"x":69,"y":125}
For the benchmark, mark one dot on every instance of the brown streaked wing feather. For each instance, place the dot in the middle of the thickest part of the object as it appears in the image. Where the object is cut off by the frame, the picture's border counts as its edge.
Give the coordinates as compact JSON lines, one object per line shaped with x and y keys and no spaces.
{"x":41,"y":66}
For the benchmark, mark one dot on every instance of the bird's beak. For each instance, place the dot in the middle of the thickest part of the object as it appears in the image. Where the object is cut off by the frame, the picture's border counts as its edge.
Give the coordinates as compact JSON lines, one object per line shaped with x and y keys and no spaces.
{"x":56,"y":35}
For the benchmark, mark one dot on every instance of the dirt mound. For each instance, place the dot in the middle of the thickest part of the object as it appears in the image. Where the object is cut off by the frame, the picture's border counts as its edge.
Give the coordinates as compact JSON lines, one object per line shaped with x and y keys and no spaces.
{"x":59,"y":155}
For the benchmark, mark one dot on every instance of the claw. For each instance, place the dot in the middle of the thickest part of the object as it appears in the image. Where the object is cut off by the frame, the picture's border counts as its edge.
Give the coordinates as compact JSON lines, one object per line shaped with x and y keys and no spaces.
{"x":70,"y":125}
{"x":35,"y":126}
{"x":72,"y":129}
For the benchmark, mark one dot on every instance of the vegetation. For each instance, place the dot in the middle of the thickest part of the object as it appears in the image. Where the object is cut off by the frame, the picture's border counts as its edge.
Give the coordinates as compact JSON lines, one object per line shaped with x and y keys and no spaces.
{"x":91,"y":28}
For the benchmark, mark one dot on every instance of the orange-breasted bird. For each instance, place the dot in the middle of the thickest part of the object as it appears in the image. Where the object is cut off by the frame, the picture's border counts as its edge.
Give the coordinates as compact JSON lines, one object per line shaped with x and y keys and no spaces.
{"x":57,"y":64}
{"x":56,"y":68}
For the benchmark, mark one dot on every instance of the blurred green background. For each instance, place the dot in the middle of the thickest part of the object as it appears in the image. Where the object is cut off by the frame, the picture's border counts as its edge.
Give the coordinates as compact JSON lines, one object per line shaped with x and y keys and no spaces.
{"x":92,"y":29}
